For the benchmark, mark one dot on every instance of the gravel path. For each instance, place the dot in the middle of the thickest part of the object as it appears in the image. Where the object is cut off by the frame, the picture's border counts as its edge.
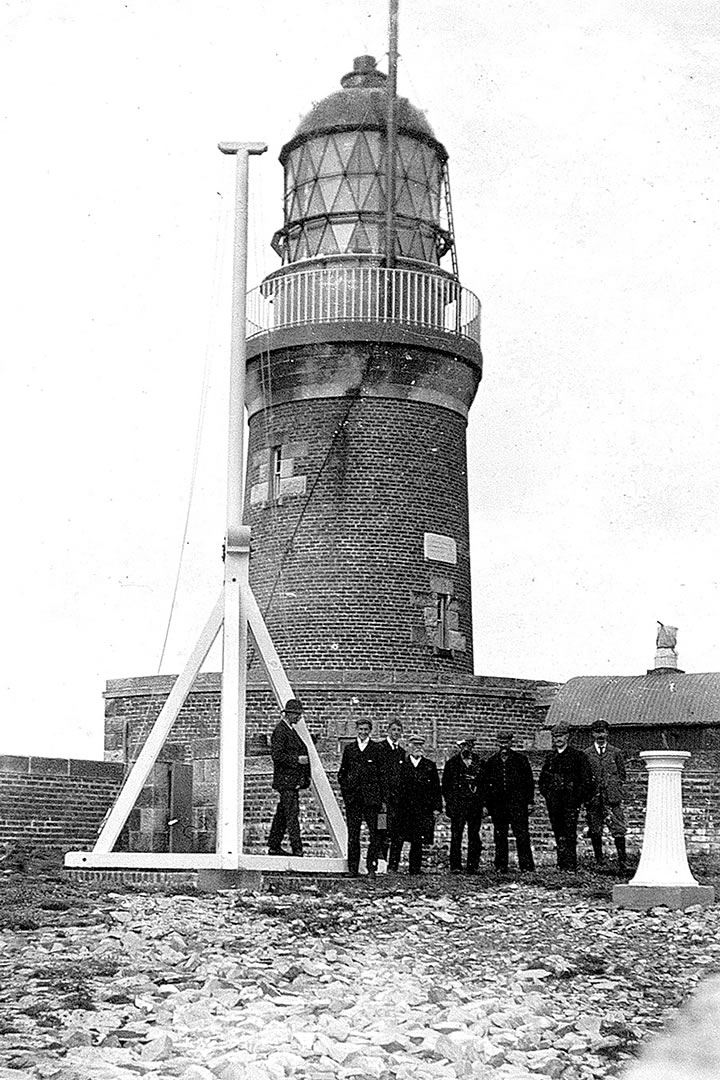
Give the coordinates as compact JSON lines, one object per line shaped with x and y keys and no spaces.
{"x":446,"y":978}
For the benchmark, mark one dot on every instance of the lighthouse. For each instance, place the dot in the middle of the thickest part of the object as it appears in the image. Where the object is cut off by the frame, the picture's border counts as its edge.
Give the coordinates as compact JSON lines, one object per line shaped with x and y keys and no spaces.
{"x":363,"y":361}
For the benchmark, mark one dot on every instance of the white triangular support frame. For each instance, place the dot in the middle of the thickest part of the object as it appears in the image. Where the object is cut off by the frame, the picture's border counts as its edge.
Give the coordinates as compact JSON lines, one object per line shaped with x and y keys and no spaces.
{"x":234,"y":610}
{"x":229,"y":854}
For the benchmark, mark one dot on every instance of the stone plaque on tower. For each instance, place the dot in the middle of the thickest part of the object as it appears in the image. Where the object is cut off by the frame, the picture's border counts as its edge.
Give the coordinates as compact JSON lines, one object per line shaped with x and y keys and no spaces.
{"x":440,"y":548}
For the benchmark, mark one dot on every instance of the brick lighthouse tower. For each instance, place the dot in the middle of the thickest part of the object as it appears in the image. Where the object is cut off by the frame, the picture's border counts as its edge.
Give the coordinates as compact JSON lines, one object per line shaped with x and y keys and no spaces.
{"x":363,"y":361}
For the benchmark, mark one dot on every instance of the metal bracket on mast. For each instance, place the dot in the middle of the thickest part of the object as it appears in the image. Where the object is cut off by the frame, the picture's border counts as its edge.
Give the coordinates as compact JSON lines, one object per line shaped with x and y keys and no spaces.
{"x":233,"y":610}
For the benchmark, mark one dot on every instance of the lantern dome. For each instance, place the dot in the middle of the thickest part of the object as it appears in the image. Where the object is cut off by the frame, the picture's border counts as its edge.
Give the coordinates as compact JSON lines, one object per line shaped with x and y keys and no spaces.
{"x":362,"y":103}
{"x":335,"y":177}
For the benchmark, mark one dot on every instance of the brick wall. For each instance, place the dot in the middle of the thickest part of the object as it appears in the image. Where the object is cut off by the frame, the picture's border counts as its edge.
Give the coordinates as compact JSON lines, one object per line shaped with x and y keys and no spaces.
{"x":441,"y":709}
{"x":339,"y":567}
{"x":55,"y":803}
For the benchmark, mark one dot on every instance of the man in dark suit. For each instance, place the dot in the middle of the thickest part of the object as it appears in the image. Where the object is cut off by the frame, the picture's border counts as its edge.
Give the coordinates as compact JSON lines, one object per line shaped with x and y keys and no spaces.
{"x":391,"y":756}
{"x":509,"y":795}
{"x":566,"y":782}
{"x":605,"y":807}
{"x":419,"y":803}
{"x":462,"y":791}
{"x":361,"y":787}
{"x":291,"y":774}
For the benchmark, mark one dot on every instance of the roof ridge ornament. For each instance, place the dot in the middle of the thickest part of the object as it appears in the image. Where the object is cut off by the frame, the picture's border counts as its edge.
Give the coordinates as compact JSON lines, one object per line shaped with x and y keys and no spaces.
{"x":364,"y":76}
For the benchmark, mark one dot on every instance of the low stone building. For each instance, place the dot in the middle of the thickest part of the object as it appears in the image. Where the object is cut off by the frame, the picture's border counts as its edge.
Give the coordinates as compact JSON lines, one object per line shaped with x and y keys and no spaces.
{"x":665,"y":708}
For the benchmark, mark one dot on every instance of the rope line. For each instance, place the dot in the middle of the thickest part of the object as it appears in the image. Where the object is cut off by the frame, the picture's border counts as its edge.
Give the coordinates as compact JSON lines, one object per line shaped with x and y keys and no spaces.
{"x":134,"y":742}
{"x":199,"y":429}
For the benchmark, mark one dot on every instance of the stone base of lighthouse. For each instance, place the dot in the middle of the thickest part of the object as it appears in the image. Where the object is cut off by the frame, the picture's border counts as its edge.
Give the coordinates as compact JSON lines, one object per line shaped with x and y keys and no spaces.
{"x":441,"y":709}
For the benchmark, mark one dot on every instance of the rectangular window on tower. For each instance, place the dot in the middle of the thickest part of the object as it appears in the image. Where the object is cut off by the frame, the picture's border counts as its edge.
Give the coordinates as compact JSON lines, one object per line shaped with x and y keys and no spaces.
{"x":441,"y":637}
{"x":275,"y":474}
{"x":440,"y":626}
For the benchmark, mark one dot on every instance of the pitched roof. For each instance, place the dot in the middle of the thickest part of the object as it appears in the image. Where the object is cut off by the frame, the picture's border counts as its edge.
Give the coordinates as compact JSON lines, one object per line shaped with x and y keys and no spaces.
{"x":661,"y":697}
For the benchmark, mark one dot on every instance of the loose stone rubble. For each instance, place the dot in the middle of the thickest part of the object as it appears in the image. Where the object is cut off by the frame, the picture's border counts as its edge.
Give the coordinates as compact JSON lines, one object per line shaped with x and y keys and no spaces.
{"x":514,"y":981}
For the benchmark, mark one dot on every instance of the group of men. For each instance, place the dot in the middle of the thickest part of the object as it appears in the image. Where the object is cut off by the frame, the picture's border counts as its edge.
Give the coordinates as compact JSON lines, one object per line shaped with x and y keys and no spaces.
{"x":397,"y":794}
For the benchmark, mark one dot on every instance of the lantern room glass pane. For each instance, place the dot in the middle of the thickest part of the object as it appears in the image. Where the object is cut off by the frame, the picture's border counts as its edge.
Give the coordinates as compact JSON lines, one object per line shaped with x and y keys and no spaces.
{"x":343,"y":233}
{"x":344,"y":143}
{"x":344,"y":202}
{"x":302,"y":166}
{"x":330,"y":187}
{"x":361,"y":161}
{"x":333,"y":163}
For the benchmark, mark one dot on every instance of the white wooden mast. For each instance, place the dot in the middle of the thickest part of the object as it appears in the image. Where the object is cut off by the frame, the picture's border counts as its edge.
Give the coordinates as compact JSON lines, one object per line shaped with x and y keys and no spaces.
{"x":235,"y":608}
{"x":237,"y":541}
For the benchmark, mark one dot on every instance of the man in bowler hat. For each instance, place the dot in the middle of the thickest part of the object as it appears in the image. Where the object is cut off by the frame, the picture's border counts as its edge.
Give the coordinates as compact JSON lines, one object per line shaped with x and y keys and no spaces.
{"x":291,"y":775}
{"x":509,"y":795}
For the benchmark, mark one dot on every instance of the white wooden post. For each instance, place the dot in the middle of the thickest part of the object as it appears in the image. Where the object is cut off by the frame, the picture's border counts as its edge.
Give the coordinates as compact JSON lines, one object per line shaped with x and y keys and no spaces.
{"x":237,"y":543}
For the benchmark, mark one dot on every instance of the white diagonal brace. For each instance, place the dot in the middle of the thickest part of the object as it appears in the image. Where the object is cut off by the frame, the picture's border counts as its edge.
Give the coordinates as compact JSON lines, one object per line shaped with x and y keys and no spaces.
{"x":161,"y":729}
{"x":283,"y":691}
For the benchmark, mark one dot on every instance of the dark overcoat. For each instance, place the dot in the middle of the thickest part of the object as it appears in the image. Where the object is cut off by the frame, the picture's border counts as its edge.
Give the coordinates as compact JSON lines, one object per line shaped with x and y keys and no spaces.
{"x":462,"y":785}
{"x":566,"y":778}
{"x":509,"y":783}
{"x":419,"y":796}
{"x":391,"y":760}
{"x":360,"y":775}
{"x":286,"y":748}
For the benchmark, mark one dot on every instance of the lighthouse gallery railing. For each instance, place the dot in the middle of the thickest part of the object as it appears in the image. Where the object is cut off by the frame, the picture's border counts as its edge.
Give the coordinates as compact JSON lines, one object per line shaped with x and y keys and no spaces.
{"x":364,"y":294}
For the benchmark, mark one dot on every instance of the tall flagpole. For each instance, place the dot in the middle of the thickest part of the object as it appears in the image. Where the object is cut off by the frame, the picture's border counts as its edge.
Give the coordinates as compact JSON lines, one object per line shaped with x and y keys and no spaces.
{"x":237,"y":543}
{"x":391,"y":136}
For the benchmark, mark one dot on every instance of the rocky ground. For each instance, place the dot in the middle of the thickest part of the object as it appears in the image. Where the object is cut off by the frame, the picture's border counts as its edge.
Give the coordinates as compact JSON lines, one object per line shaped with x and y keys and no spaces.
{"x":512,"y":977}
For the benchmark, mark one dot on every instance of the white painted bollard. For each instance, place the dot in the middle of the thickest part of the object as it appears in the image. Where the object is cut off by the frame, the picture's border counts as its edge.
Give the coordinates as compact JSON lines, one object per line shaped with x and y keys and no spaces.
{"x":663,"y":875}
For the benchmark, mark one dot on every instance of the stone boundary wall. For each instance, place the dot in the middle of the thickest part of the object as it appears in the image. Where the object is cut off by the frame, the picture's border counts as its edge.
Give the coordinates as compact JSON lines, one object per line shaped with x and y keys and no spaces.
{"x":55,"y":803}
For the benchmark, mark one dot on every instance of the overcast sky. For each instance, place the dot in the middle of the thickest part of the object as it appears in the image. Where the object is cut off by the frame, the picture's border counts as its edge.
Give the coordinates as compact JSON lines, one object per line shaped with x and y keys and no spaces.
{"x":585,"y":171}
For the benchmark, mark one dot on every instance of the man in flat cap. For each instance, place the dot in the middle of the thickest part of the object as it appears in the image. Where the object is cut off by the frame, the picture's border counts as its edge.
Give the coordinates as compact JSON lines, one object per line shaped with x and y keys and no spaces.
{"x":510,"y":792}
{"x":291,"y":775}
{"x":462,"y":790}
{"x":419,"y":804}
{"x":605,"y":806}
{"x":361,"y":787}
{"x":566,"y":782}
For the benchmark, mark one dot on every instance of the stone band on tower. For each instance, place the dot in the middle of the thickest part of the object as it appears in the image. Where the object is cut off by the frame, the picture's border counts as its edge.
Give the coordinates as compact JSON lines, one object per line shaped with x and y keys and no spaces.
{"x":360,"y":378}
